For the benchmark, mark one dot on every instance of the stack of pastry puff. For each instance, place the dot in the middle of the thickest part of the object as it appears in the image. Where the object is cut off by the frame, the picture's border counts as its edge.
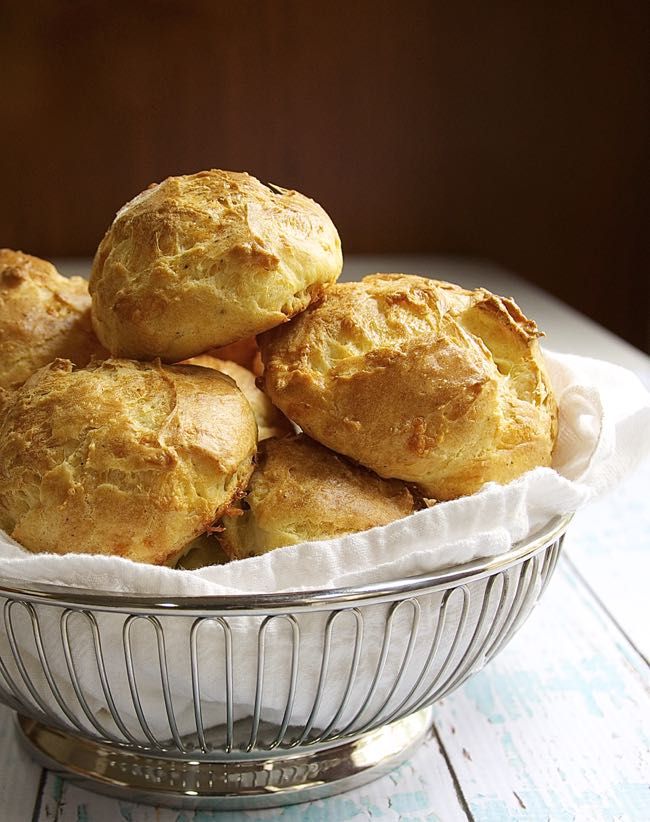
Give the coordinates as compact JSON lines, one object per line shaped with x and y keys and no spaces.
{"x":213,"y":393}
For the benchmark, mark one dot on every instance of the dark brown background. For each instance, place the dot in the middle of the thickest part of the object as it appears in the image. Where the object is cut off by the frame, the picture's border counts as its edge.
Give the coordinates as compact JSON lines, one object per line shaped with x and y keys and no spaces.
{"x":515,"y":131}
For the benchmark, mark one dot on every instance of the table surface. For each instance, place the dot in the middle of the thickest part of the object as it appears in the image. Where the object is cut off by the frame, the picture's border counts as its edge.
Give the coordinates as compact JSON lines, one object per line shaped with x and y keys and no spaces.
{"x":556,"y":727}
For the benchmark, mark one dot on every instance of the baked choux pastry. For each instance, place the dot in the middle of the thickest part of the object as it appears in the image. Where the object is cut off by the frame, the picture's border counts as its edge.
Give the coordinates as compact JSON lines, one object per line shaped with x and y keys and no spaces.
{"x":270,"y":421}
{"x":301,"y":491}
{"x":204,"y":260}
{"x":417,"y":379}
{"x":43,"y":315}
{"x":244,"y":352}
{"x":123,"y":458}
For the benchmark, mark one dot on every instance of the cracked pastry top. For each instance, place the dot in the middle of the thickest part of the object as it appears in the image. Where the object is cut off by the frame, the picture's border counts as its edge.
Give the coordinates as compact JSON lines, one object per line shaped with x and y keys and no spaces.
{"x":43,"y":315}
{"x":302,"y":491}
{"x":417,"y":379}
{"x":122,"y":458}
{"x":204,"y":260}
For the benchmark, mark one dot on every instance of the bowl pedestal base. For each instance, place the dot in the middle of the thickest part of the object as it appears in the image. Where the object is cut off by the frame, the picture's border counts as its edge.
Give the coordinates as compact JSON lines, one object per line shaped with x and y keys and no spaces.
{"x":227,"y":782}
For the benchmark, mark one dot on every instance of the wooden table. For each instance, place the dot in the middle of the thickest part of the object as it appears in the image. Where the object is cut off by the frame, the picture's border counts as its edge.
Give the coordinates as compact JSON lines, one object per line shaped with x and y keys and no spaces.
{"x":555,"y":728}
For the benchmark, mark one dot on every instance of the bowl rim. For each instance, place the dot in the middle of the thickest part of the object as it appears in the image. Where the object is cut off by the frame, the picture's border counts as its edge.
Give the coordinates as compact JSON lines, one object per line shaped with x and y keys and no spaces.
{"x":292,"y":601}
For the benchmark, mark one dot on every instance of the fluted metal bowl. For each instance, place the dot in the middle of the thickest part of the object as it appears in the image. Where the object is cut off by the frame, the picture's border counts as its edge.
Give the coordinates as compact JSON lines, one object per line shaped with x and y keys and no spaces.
{"x":253,"y":701}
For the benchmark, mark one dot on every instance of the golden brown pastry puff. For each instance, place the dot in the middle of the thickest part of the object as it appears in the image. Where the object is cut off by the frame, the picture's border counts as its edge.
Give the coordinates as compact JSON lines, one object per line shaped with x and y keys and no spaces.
{"x":270,"y":421}
{"x":43,"y":315}
{"x":125,"y":458}
{"x":207,"y":259}
{"x":244,"y":352}
{"x":417,"y":379}
{"x":301,"y":491}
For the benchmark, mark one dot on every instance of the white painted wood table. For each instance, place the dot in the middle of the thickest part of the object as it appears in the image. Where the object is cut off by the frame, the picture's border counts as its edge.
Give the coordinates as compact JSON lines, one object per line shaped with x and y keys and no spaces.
{"x":555,"y":728}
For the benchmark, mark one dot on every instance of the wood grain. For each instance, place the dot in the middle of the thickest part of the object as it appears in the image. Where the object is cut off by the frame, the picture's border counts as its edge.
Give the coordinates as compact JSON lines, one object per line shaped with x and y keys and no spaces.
{"x":514,"y":132}
{"x":623,"y":521}
{"x":552,"y":729}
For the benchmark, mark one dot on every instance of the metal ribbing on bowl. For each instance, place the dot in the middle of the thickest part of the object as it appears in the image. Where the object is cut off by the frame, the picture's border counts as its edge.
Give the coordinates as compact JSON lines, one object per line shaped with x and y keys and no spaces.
{"x":321,"y":674}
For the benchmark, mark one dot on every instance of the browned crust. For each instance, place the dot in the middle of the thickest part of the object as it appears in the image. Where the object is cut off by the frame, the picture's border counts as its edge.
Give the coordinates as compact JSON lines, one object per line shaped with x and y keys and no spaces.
{"x":417,"y":379}
{"x":43,"y":315}
{"x":271,"y":422}
{"x":301,"y":491}
{"x":204,"y":260}
{"x":122,"y":458}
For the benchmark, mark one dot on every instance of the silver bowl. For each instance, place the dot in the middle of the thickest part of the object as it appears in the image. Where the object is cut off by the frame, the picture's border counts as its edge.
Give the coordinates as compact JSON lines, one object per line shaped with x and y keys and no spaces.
{"x":253,"y":701}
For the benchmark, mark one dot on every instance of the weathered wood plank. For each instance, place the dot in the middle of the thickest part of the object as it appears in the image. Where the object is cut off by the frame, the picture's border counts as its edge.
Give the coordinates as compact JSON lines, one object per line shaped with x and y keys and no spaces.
{"x":421,"y":789}
{"x":609,"y":544}
{"x":554,"y":727}
{"x":20,"y":777}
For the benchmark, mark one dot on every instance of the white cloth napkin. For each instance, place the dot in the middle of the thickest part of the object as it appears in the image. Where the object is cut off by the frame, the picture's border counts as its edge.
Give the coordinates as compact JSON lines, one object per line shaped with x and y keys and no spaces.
{"x":604,"y":432}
